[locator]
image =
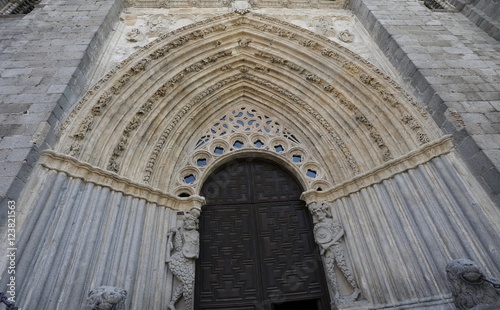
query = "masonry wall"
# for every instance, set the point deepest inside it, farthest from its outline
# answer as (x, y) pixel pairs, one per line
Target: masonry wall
(484, 13)
(45, 58)
(453, 67)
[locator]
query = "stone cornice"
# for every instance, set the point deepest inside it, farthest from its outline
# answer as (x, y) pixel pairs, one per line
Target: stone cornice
(383, 172)
(91, 174)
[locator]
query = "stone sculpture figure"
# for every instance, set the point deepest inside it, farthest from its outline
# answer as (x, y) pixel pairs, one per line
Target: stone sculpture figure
(186, 248)
(328, 234)
(106, 298)
(470, 288)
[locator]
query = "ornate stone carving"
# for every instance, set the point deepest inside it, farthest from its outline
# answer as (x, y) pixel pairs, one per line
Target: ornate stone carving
(113, 164)
(106, 298)
(470, 288)
(241, 7)
(278, 60)
(135, 35)
(340, 143)
(328, 234)
(185, 243)
(84, 127)
(244, 42)
(295, 34)
(200, 65)
(247, 128)
(346, 36)
(351, 68)
(166, 133)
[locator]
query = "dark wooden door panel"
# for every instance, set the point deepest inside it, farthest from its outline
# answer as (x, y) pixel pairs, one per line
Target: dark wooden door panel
(228, 265)
(272, 185)
(257, 249)
(287, 255)
(229, 185)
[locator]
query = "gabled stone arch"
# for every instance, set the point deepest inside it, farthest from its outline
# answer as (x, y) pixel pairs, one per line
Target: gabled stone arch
(139, 114)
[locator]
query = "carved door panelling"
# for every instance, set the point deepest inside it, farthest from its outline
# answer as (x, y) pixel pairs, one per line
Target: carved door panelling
(257, 247)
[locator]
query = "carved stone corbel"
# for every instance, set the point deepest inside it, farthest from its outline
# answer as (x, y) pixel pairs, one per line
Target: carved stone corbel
(328, 234)
(470, 288)
(183, 249)
(106, 297)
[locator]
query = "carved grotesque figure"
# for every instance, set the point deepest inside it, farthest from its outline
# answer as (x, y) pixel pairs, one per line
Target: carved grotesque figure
(106, 298)
(328, 234)
(470, 288)
(186, 248)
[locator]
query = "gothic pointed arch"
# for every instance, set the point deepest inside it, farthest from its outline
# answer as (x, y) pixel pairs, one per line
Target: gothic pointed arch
(143, 120)
(376, 171)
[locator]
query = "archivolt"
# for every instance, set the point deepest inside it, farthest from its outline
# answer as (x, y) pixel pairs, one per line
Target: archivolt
(143, 118)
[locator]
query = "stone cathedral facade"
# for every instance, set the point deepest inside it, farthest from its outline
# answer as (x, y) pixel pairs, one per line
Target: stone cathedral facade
(247, 154)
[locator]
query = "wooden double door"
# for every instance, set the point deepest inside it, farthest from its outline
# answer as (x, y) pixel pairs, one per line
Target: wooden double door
(257, 250)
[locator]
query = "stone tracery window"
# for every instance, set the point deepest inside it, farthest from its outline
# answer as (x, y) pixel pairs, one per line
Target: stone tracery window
(246, 128)
(245, 120)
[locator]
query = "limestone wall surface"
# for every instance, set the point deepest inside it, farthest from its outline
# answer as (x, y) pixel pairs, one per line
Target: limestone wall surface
(45, 57)
(484, 13)
(453, 67)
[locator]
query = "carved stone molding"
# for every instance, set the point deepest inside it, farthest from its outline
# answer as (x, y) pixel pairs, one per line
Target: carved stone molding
(91, 174)
(337, 113)
(308, 108)
(411, 160)
(161, 142)
(320, 119)
(157, 53)
(113, 164)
